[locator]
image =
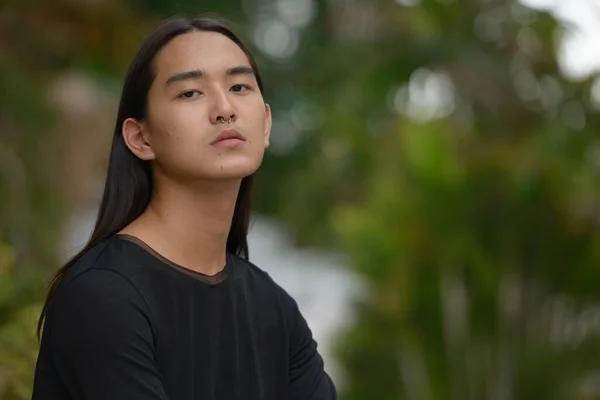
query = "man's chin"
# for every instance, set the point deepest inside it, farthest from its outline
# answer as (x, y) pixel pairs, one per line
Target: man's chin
(233, 173)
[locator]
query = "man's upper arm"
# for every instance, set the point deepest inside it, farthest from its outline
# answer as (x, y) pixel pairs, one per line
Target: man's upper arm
(101, 339)
(307, 377)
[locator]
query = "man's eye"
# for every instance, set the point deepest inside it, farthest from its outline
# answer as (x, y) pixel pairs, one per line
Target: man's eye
(190, 94)
(240, 88)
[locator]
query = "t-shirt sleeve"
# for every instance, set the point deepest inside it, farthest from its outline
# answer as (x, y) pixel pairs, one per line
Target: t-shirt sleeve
(101, 339)
(307, 377)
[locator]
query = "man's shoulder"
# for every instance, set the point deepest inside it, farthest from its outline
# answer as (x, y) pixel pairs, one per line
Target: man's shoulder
(254, 275)
(105, 255)
(247, 270)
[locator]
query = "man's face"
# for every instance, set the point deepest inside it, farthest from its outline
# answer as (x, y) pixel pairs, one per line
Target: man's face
(202, 80)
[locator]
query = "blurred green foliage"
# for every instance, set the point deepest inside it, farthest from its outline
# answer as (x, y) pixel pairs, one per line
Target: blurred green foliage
(478, 230)
(438, 146)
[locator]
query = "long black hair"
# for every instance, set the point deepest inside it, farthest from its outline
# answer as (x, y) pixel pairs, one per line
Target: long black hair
(128, 186)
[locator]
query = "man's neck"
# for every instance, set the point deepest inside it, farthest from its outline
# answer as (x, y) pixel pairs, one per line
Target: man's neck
(189, 225)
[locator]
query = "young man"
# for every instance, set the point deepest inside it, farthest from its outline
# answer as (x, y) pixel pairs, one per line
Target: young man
(162, 303)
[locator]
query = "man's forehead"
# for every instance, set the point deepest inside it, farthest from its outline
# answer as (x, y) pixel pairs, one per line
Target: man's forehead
(202, 47)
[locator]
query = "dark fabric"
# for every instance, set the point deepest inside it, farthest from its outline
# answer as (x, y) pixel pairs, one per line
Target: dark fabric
(126, 324)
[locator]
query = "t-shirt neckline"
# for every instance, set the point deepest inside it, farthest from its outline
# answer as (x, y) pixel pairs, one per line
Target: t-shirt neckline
(209, 279)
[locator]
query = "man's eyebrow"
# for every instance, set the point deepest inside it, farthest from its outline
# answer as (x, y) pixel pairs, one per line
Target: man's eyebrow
(199, 74)
(241, 70)
(186, 75)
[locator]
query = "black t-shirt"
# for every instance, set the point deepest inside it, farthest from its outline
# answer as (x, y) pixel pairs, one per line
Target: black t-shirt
(128, 324)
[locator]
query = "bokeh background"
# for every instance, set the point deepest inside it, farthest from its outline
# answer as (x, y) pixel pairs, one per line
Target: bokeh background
(431, 196)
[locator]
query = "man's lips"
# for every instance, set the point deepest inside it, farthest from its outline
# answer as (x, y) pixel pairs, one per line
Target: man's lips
(229, 138)
(230, 135)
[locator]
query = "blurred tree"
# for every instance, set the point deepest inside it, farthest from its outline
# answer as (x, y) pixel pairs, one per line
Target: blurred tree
(460, 171)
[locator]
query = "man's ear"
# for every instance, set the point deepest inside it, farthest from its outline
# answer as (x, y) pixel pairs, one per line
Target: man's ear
(135, 137)
(268, 124)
